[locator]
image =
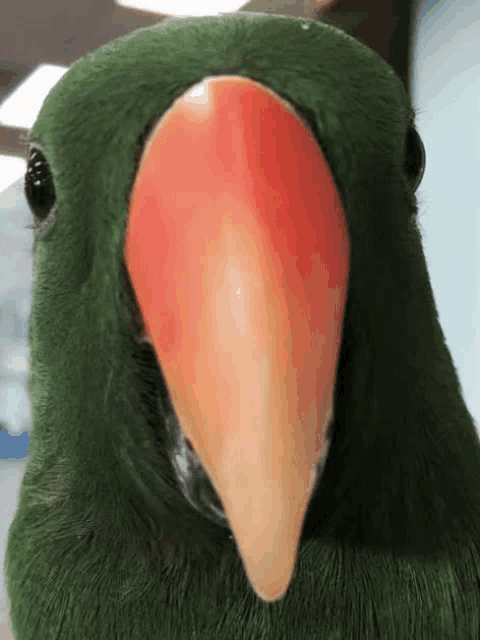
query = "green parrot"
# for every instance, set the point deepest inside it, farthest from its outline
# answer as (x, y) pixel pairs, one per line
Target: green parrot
(247, 424)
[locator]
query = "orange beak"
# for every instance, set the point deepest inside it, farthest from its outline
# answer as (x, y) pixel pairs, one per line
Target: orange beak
(237, 249)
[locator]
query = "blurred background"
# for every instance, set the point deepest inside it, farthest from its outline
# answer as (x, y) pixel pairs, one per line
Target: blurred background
(432, 45)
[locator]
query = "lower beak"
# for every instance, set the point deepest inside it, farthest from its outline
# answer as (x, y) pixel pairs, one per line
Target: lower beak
(238, 253)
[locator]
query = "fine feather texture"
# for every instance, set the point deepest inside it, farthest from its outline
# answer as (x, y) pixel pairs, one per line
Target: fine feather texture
(103, 543)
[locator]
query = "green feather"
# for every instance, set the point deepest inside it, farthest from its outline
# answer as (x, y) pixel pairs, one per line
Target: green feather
(103, 544)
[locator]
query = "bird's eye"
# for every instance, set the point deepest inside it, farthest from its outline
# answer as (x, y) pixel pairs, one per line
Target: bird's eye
(40, 190)
(415, 157)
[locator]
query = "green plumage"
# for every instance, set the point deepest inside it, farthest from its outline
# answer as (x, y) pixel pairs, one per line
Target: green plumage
(103, 544)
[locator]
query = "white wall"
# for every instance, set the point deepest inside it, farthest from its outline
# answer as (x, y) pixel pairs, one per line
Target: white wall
(446, 90)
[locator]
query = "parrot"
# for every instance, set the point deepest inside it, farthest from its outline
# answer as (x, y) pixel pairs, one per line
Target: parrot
(246, 421)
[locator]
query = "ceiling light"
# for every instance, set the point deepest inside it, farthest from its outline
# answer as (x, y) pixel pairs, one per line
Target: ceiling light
(184, 7)
(22, 107)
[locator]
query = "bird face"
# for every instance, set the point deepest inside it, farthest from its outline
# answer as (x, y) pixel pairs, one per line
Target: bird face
(240, 271)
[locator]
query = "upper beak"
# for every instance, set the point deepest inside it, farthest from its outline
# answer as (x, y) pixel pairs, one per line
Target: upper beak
(237, 249)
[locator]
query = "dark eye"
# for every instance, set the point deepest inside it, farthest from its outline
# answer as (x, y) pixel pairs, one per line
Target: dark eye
(40, 190)
(415, 157)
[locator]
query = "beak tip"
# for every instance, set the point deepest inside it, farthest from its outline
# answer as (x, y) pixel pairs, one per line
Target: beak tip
(271, 588)
(272, 596)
